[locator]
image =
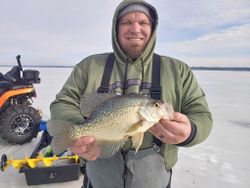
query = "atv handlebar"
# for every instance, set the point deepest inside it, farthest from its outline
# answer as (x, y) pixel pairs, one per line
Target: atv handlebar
(18, 57)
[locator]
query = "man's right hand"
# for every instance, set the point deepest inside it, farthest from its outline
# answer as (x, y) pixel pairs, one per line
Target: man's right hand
(87, 148)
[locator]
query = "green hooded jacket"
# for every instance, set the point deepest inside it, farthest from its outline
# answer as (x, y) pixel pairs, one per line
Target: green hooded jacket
(178, 83)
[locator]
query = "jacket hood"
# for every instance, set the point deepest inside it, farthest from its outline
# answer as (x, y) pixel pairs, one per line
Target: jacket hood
(149, 49)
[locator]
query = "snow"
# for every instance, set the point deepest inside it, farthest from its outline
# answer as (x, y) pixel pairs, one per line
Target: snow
(220, 161)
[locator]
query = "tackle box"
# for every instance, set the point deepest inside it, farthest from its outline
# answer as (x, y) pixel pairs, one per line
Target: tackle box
(54, 174)
(68, 171)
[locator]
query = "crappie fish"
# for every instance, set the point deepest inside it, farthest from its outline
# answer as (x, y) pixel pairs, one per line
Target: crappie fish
(112, 121)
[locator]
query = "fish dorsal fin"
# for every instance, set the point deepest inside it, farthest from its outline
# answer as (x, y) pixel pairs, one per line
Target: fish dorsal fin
(90, 101)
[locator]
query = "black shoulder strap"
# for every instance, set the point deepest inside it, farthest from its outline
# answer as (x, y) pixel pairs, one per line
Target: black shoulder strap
(155, 91)
(106, 74)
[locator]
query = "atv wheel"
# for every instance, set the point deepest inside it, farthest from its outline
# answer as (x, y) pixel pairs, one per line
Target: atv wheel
(19, 124)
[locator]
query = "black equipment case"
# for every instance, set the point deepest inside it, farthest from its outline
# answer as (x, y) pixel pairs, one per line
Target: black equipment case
(54, 174)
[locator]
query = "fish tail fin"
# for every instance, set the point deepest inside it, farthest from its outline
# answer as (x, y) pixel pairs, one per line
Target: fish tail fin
(57, 130)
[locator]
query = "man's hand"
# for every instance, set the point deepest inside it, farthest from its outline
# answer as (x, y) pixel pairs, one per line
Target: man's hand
(87, 148)
(173, 131)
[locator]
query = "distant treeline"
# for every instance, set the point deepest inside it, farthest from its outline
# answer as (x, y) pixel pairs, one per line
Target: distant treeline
(41, 66)
(222, 68)
(192, 67)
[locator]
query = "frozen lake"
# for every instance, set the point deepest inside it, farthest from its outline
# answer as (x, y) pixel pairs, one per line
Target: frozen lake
(223, 160)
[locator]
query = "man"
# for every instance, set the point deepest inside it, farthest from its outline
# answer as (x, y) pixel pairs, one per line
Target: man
(133, 40)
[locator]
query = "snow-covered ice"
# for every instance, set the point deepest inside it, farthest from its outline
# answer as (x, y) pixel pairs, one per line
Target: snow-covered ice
(221, 161)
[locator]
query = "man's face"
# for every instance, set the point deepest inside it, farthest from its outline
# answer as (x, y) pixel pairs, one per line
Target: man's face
(134, 31)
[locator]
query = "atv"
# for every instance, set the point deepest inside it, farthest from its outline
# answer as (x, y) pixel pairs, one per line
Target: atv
(19, 121)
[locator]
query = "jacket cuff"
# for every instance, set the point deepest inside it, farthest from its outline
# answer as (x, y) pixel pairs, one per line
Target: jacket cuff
(191, 136)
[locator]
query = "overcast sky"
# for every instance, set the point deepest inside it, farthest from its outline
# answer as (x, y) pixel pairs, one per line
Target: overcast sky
(63, 32)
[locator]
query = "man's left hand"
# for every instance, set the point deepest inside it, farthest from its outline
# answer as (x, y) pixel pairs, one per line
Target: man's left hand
(173, 131)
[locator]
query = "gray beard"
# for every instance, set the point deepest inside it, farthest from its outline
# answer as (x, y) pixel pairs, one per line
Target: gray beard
(135, 55)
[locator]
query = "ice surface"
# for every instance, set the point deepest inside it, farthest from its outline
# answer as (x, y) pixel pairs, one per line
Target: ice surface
(223, 160)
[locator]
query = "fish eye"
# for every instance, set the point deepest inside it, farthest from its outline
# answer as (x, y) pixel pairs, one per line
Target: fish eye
(157, 105)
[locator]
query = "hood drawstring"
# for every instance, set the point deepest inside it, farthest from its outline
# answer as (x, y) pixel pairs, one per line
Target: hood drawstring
(125, 77)
(142, 76)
